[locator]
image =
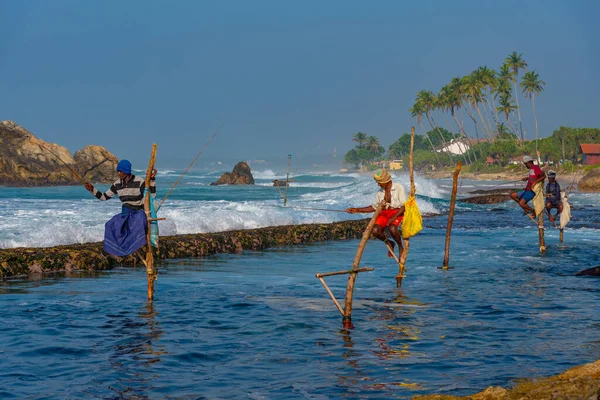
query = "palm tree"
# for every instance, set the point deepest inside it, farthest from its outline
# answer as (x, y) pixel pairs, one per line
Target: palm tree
(487, 79)
(471, 88)
(450, 102)
(360, 138)
(506, 106)
(515, 62)
(429, 102)
(532, 84)
(418, 111)
(373, 144)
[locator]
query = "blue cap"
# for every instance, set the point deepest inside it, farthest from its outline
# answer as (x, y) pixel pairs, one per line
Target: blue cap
(124, 166)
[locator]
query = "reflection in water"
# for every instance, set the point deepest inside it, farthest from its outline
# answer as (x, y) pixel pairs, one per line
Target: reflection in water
(136, 352)
(394, 345)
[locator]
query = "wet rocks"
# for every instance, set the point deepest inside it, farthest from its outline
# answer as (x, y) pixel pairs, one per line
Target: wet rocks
(487, 199)
(91, 256)
(241, 175)
(590, 182)
(581, 382)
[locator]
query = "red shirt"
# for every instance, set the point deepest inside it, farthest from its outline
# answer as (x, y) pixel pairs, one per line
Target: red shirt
(534, 173)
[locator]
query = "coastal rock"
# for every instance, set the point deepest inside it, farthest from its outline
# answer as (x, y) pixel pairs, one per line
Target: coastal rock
(487, 199)
(96, 164)
(581, 382)
(590, 182)
(28, 161)
(281, 182)
(241, 175)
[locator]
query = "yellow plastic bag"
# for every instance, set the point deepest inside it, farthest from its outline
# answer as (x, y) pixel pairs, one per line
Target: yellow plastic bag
(412, 222)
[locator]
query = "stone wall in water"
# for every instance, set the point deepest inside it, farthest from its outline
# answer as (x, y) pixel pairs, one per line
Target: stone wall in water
(23, 261)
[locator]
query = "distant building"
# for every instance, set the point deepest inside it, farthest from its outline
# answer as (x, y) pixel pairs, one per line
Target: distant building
(395, 165)
(591, 153)
(456, 146)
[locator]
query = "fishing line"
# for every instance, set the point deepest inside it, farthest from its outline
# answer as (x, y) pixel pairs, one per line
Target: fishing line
(312, 209)
(189, 166)
(67, 165)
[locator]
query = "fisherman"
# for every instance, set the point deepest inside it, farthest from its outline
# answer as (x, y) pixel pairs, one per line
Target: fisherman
(553, 199)
(126, 232)
(535, 175)
(392, 213)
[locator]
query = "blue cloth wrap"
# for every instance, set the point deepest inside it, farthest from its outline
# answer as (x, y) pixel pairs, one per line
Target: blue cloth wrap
(125, 233)
(527, 195)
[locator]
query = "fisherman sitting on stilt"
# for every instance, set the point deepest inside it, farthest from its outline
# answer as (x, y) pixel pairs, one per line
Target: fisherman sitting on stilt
(393, 212)
(125, 233)
(535, 175)
(553, 199)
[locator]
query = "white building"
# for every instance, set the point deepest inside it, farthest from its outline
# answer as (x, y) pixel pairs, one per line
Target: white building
(456, 146)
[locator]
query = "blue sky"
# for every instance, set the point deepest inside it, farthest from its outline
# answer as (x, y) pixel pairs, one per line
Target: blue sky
(281, 76)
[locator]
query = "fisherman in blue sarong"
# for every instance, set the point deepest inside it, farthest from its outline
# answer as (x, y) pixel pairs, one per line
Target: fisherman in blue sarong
(125, 233)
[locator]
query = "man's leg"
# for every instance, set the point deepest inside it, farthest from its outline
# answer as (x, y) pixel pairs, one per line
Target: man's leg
(514, 196)
(379, 233)
(395, 233)
(525, 206)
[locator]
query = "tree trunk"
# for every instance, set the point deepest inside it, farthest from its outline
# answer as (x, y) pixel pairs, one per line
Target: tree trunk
(536, 123)
(432, 148)
(519, 112)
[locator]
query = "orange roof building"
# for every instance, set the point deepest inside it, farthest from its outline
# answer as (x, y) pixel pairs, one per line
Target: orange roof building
(591, 153)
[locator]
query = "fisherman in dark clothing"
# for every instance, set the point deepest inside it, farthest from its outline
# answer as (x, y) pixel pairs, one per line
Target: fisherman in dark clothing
(553, 199)
(126, 232)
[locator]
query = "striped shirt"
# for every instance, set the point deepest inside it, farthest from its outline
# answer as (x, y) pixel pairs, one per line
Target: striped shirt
(130, 191)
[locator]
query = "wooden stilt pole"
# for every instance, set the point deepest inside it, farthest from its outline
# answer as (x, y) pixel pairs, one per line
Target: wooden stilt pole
(561, 235)
(150, 270)
(451, 214)
(404, 254)
(347, 315)
(541, 233)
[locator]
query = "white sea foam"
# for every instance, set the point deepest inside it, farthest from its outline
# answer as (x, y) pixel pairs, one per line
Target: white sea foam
(29, 218)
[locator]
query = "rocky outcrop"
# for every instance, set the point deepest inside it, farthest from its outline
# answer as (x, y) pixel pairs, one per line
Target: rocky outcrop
(590, 182)
(28, 161)
(96, 164)
(581, 382)
(91, 256)
(241, 175)
(281, 182)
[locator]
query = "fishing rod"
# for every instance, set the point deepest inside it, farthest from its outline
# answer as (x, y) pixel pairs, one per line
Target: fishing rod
(190, 166)
(61, 160)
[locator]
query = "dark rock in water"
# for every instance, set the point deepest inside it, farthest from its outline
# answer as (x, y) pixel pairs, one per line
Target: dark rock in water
(241, 175)
(495, 191)
(281, 182)
(590, 182)
(486, 199)
(589, 272)
(28, 161)
(96, 164)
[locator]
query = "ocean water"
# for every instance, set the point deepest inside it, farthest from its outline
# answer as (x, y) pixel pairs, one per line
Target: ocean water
(259, 325)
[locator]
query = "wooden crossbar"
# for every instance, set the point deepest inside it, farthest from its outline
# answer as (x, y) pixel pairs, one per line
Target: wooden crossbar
(351, 271)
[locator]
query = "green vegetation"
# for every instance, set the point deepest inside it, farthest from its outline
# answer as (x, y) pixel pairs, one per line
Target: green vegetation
(484, 109)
